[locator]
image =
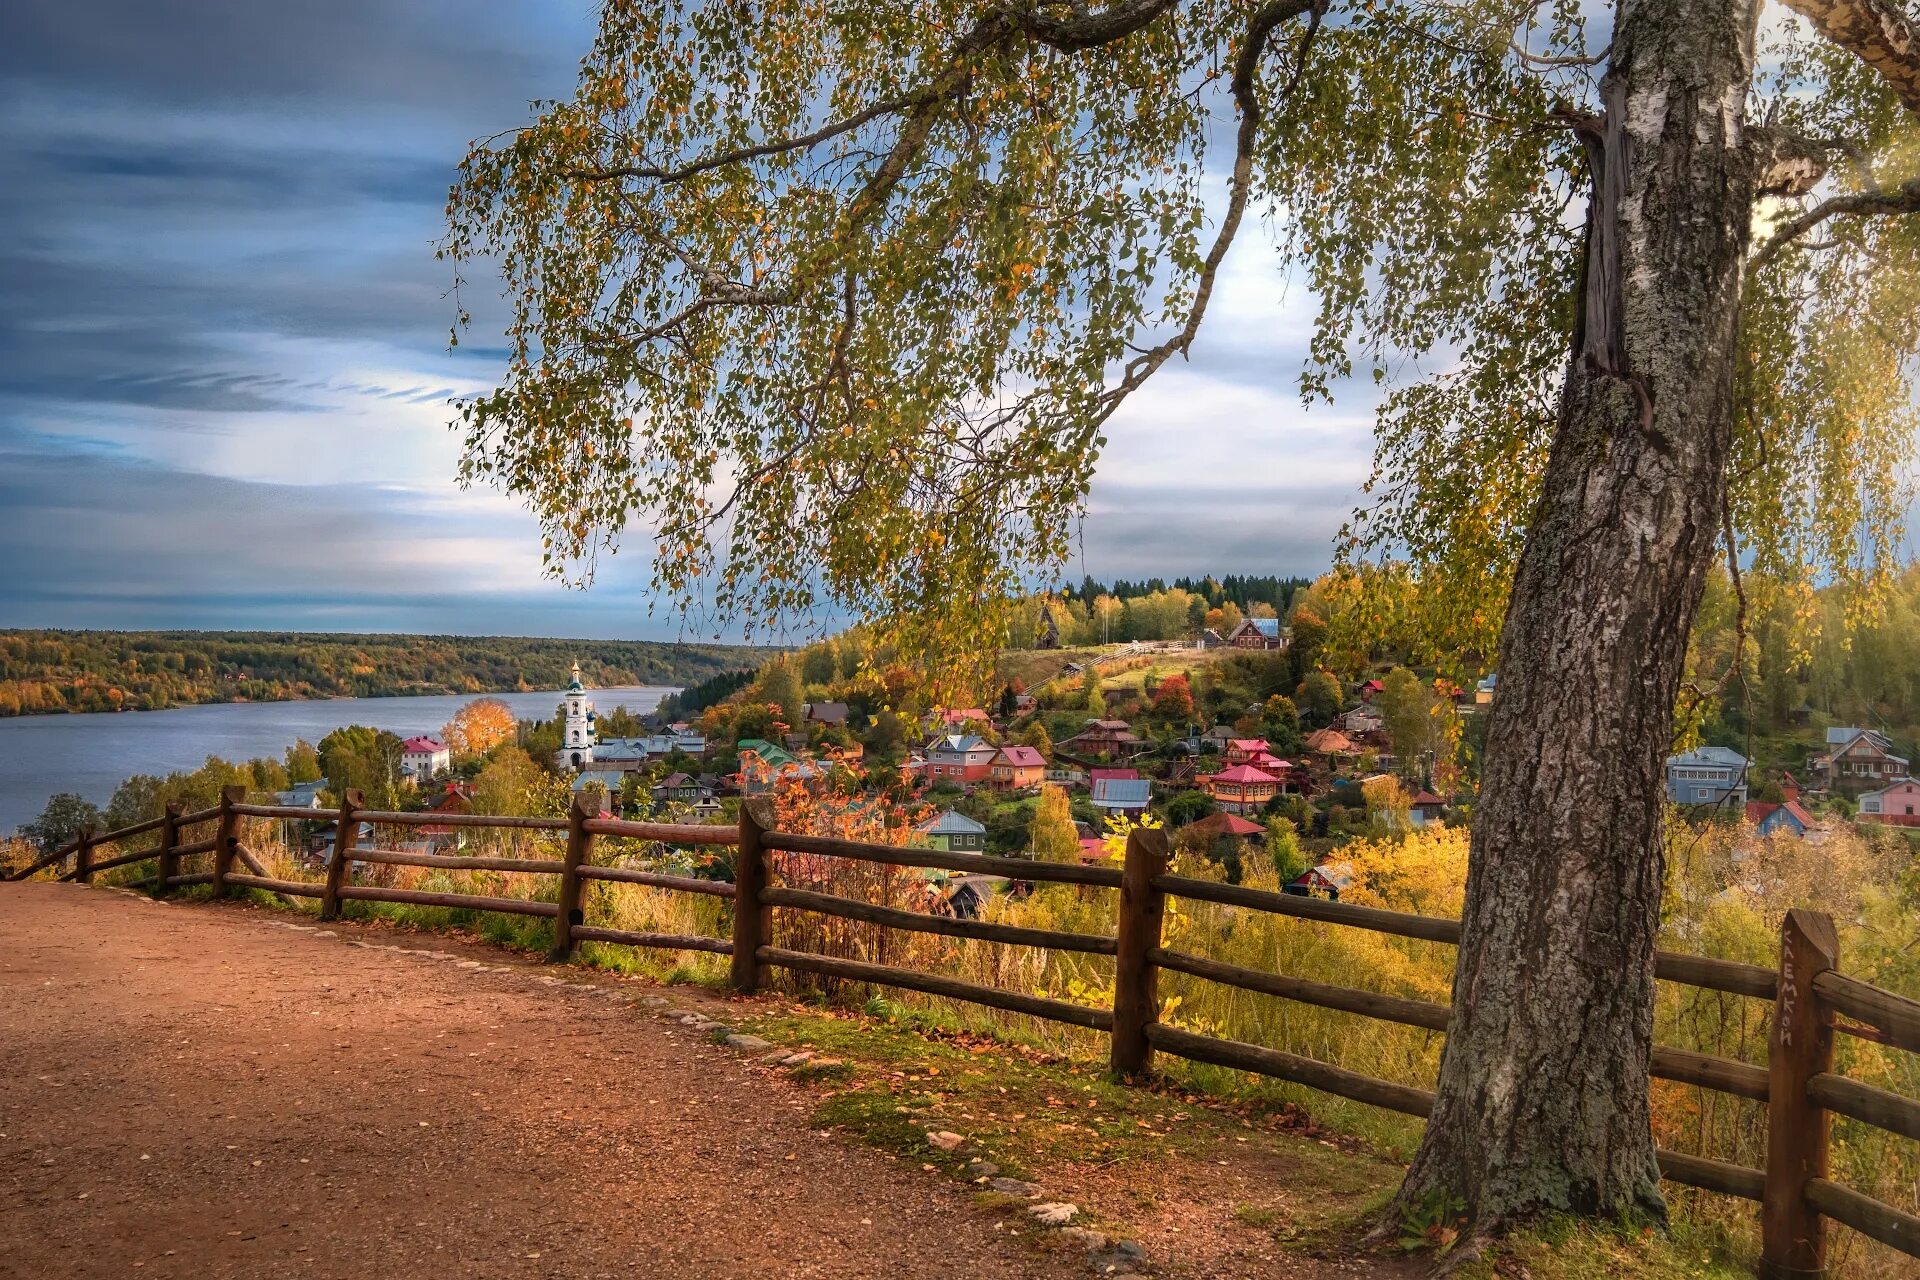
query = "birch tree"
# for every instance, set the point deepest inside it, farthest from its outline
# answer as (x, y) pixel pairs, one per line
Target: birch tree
(832, 302)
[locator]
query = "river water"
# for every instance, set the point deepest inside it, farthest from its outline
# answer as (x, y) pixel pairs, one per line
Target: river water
(93, 754)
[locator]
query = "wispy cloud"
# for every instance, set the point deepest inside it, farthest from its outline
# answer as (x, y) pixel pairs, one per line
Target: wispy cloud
(224, 382)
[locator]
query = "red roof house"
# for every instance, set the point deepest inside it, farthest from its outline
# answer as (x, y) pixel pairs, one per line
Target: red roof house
(1241, 789)
(1017, 767)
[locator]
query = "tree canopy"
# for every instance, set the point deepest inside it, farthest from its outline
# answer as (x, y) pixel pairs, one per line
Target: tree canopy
(836, 300)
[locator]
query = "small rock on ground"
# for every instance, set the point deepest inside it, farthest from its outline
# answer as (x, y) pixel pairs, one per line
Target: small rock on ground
(749, 1044)
(944, 1141)
(1053, 1214)
(1013, 1187)
(1117, 1258)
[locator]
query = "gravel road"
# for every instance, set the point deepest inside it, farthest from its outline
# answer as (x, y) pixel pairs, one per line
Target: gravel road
(201, 1091)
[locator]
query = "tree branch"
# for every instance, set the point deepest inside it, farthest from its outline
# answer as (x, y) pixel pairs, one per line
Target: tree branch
(1088, 30)
(1246, 96)
(1878, 32)
(759, 151)
(1904, 198)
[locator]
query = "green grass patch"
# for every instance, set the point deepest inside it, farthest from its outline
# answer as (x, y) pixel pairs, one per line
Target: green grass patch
(1566, 1249)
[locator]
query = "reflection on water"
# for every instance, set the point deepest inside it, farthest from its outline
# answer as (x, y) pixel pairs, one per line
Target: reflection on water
(92, 754)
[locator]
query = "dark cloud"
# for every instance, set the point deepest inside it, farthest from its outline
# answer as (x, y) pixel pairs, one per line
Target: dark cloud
(446, 56)
(217, 221)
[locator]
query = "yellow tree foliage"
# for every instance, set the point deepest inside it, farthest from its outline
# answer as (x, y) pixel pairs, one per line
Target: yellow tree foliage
(1051, 834)
(479, 727)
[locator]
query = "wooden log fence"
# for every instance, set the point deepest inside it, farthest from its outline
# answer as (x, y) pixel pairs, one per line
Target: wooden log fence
(1812, 1001)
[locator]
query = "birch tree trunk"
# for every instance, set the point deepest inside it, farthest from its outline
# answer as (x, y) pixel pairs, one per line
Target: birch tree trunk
(1543, 1085)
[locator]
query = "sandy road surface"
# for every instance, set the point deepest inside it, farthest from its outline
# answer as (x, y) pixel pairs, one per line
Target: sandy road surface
(200, 1091)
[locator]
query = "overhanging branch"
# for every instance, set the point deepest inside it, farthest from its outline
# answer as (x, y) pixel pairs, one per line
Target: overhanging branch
(1246, 96)
(1878, 32)
(1880, 203)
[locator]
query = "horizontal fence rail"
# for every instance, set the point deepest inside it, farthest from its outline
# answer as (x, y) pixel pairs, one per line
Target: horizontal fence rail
(1812, 1000)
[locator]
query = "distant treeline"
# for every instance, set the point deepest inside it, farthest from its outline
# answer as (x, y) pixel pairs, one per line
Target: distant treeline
(47, 672)
(1242, 590)
(696, 698)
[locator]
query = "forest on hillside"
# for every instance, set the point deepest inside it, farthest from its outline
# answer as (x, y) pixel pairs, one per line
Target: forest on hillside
(48, 672)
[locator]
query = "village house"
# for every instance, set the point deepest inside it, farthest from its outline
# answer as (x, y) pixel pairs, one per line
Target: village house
(1894, 805)
(1857, 760)
(960, 759)
(831, 714)
(631, 755)
(1771, 819)
(1121, 791)
(1108, 739)
(1707, 775)
(1217, 739)
(1328, 880)
(301, 795)
(454, 798)
(1016, 768)
(1257, 633)
(954, 832)
(422, 757)
(1371, 689)
(1241, 789)
(1226, 826)
(1426, 809)
(678, 788)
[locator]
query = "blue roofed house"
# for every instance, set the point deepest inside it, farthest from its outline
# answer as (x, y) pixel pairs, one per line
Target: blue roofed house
(954, 832)
(301, 795)
(608, 780)
(1707, 775)
(1122, 795)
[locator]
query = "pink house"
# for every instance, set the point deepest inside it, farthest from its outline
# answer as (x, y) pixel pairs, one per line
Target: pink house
(1896, 805)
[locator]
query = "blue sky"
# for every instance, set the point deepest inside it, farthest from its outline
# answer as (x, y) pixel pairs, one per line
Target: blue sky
(223, 360)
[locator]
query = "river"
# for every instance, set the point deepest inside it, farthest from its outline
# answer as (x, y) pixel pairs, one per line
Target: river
(93, 754)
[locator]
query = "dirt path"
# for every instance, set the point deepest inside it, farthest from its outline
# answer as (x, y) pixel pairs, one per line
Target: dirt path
(203, 1092)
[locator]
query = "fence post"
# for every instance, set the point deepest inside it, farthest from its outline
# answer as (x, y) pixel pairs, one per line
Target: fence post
(226, 837)
(83, 856)
(579, 851)
(169, 841)
(1793, 1234)
(346, 836)
(1136, 978)
(752, 918)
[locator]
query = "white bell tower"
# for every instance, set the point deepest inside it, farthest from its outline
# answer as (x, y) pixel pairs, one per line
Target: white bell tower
(576, 744)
